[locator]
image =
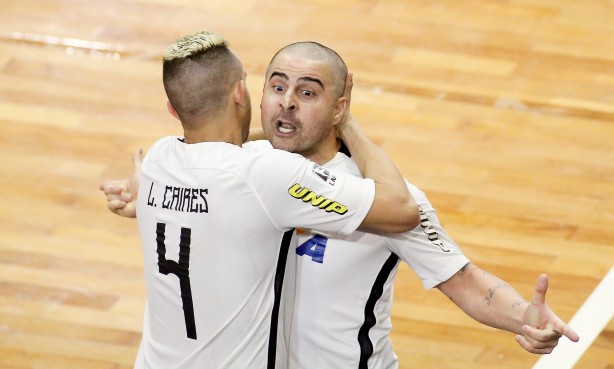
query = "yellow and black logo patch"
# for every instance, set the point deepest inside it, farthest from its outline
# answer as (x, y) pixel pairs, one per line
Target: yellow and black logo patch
(303, 193)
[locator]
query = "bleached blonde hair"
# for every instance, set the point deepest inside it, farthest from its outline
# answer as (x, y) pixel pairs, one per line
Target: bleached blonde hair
(198, 72)
(193, 44)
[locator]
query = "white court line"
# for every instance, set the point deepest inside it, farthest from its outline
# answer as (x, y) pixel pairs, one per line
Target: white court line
(589, 321)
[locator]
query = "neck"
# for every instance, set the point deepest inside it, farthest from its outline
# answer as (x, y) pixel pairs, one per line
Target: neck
(211, 135)
(324, 153)
(224, 128)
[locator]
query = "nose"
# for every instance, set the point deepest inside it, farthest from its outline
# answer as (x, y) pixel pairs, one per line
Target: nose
(287, 102)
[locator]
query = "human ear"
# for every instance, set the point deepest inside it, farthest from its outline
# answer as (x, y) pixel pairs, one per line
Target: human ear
(172, 110)
(240, 93)
(340, 109)
(345, 107)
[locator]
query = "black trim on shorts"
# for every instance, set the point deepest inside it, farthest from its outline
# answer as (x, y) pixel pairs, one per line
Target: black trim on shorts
(277, 287)
(366, 346)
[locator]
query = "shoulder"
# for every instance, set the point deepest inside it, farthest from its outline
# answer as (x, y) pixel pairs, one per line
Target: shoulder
(160, 145)
(270, 164)
(344, 163)
(165, 141)
(257, 145)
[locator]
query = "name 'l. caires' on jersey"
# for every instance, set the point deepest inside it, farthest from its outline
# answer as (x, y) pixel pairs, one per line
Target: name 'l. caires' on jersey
(189, 200)
(306, 195)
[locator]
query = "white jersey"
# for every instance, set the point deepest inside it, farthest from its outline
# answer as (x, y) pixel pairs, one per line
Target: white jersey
(216, 221)
(345, 287)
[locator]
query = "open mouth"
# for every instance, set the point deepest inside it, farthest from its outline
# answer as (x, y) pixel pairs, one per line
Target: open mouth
(284, 127)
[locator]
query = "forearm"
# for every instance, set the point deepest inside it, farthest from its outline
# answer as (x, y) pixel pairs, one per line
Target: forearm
(394, 209)
(486, 298)
(371, 160)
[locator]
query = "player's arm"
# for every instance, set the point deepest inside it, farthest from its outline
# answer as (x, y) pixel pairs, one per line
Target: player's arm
(491, 301)
(394, 209)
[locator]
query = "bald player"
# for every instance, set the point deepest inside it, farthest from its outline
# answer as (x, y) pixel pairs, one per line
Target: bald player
(216, 220)
(345, 283)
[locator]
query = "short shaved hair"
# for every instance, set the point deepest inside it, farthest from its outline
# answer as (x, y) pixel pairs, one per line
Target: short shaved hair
(199, 72)
(316, 51)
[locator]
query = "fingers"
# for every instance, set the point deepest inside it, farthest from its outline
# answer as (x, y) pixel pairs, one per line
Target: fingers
(121, 193)
(137, 159)
(540, 335)
(566, 331)
(522, 341)
(115, 187)
(116, 205)
(572, 335)
(112, 186)
(538, 341)
(543, 341)
(117, 193)
(121, 196)
(345, 115)
(347, 92)
(349, 83)
(549, 328)
(540, 290)
(122, 208)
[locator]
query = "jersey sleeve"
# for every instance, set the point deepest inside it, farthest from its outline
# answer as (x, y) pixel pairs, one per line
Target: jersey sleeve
(428, 249)
(297, 192)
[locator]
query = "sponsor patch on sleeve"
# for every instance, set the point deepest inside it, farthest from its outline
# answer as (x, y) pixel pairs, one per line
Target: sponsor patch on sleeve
(430, 232)
(324, 174)
(306, 195)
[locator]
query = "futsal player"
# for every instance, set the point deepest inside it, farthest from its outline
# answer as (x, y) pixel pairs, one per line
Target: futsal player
(344, 288)
(216, 219)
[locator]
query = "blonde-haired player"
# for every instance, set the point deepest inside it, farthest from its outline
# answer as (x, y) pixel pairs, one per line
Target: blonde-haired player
(216, 220)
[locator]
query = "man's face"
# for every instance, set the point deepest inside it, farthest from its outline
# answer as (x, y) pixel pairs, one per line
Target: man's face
(298, 106)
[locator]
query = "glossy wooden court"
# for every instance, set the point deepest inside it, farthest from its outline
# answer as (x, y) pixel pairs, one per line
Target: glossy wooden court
(502, 111)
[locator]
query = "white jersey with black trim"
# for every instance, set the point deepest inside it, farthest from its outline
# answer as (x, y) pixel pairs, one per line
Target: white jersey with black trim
(215, 221)
(345, 287)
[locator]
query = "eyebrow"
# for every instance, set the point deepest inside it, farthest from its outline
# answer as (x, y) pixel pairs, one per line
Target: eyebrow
(308, 79)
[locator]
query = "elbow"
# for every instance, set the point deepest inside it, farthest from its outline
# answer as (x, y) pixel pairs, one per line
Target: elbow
(408, 219)
(392, 216)
(402, 219)
(414, 216)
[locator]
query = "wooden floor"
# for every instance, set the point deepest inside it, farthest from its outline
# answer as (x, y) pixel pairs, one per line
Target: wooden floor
(502, 111)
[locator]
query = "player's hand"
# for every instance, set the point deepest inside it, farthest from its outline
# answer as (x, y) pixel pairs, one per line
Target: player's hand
(122, 193)
(542, 328)
(347, 93)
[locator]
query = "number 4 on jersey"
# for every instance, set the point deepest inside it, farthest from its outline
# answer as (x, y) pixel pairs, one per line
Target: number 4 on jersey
(314, 247)
(181, 269)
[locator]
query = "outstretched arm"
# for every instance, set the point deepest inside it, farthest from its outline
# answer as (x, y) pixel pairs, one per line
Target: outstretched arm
(121, 194)
(491, 301)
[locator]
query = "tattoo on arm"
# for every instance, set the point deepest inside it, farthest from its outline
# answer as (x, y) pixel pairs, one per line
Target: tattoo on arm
(491, 292)
(519, 303)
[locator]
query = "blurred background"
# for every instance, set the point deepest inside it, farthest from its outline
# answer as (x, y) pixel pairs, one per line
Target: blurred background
(502, 111)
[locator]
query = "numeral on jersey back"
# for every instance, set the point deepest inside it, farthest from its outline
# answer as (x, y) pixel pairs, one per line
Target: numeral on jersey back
(181, 269)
